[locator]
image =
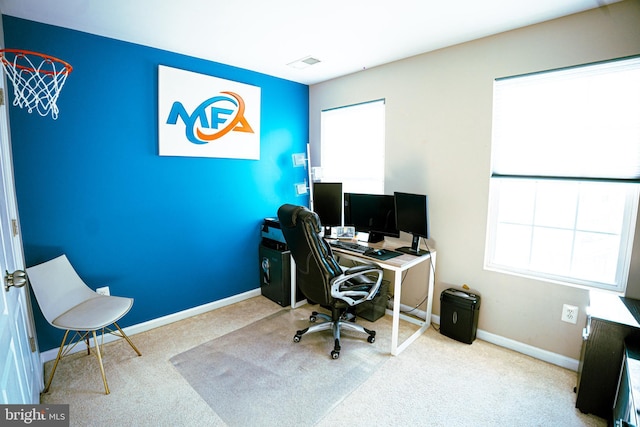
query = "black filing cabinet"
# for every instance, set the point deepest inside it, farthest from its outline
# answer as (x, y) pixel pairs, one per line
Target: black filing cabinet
(274, 259)
(459, 312)
(375, 309)
(275, 274)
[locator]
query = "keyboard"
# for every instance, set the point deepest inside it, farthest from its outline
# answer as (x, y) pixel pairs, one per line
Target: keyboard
(350, 246)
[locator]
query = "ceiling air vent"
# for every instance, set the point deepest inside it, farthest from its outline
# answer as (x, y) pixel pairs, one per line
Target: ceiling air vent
(304, 62)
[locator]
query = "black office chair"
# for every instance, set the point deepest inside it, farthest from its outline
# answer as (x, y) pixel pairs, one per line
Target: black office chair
(322, 280)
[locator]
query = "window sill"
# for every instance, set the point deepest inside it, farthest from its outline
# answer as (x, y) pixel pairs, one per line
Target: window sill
(542, 278)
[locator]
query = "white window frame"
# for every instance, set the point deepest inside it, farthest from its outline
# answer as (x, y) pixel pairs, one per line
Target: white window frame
(352, 146)
(527, 269)
(532, 163)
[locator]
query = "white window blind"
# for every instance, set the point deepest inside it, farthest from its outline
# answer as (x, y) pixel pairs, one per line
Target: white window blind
(352, 147)
(579, 122)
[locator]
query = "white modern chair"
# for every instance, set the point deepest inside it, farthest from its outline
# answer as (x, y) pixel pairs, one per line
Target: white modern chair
(69, 304)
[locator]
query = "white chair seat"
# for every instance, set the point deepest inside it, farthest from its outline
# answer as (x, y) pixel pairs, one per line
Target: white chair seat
(93, 314)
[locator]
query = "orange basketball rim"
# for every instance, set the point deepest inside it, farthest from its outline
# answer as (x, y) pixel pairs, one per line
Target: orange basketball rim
(37, 79)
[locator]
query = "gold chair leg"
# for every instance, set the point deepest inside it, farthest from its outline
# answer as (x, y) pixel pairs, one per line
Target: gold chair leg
(98, 355)
(55, 364)
(127, 338)
(104, 377)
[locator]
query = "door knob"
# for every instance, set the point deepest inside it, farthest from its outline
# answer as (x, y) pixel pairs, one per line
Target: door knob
(16, 279)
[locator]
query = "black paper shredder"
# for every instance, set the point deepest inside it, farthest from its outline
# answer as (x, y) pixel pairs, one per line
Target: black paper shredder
(459, 312)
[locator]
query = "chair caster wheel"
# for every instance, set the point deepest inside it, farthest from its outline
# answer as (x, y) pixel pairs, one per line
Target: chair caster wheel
(312, 319)
(371, 339)
(335, 354)
(296, 338)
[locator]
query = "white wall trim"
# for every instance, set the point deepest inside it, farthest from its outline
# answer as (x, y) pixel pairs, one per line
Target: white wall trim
(529, 350)
(48, 355)
(544, 355)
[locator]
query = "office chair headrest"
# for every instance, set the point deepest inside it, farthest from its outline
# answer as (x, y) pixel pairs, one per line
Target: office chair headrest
(289, 216)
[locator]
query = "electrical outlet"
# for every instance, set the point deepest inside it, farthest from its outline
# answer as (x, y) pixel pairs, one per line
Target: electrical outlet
(569, 313)
(103, 291)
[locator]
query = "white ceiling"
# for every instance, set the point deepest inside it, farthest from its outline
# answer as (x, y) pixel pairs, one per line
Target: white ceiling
(265, 35)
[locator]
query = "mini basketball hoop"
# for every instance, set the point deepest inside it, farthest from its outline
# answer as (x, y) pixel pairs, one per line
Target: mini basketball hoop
(37, 79)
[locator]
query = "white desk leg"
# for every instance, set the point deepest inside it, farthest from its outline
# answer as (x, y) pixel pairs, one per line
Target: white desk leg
(292, 279)
(395, 348)
(395, 321)
(432, 279)
(294, 286)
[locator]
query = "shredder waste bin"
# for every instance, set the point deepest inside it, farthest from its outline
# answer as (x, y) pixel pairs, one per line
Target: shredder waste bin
(459, 311)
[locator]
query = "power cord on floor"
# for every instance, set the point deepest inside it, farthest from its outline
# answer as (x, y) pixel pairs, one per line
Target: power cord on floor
(424, 300)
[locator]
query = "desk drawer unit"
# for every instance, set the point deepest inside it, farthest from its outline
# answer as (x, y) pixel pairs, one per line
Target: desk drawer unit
(459, 312)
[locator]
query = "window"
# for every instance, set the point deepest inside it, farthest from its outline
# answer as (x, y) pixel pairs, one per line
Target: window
(352, 147)
(565, 169)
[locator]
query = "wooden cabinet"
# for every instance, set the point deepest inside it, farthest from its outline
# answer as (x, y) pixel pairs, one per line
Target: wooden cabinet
(611, 320)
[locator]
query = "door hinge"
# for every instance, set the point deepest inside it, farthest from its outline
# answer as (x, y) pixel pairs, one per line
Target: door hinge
(32, 343)
(14, 227)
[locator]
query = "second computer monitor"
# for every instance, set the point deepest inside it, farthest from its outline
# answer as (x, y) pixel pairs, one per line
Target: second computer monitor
(371, 213)
(412, 216)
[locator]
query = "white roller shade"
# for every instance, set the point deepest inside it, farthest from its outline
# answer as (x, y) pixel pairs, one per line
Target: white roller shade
(352, 146)
(581, 122)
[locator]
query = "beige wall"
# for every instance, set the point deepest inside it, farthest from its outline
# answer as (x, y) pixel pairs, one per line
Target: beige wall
(438, 136)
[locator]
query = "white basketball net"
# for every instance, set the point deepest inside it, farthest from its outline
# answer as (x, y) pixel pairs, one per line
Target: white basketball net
(37, 79)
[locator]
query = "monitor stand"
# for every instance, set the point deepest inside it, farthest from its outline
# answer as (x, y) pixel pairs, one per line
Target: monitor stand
(414, 249)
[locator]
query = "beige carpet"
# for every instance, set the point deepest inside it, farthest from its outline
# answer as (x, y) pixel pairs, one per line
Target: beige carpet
(435, 382)
(260, 364)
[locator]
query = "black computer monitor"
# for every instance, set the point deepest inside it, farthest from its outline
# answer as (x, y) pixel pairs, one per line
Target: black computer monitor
(327, 203)
(371, 213)
(412, 216)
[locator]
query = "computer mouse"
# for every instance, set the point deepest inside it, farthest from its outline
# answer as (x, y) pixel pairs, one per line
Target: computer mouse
(379, 252)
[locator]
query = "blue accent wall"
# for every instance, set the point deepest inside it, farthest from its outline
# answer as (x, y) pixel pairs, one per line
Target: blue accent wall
(171, 232)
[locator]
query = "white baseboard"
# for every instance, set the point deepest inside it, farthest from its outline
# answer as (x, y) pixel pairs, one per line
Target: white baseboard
(547, 356)
(48, 355)
(538, 353)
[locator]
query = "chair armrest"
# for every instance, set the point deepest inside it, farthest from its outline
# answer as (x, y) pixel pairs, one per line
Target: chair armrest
(354, 295)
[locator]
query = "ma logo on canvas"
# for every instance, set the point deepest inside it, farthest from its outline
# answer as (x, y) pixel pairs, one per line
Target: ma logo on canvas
(212, 119)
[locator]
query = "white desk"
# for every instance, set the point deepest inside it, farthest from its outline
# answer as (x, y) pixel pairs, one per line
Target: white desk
(398, 265)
